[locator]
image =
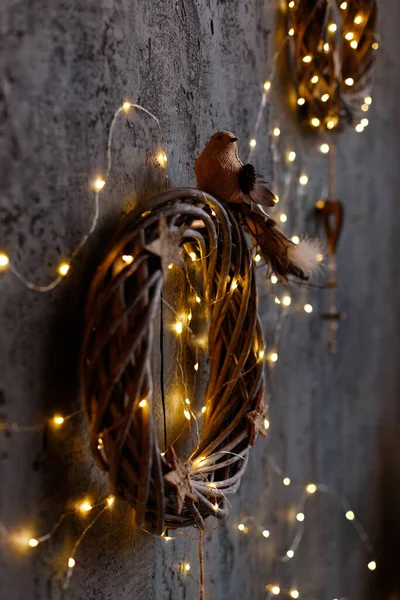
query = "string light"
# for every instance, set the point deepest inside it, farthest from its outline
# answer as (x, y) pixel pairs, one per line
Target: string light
(4, 260)
(368, 100)
(286, 481)
(267, 86)
(276, 590)
(189, 317)
(358, 19)
(283, 218)
(99, 184)
(303, 179)
(315, 122)
(324, 148)
(300, 517)
(286, 300)
(354, 44)
(170, 266)
(308, 308)
(234, 285)
(178, 326)
(364, 107)
(359, 128)
(326, 47)
(273, 357)
(343, 6)
(33, 542)
(349, 35)
(364, 122)
(372, 565)
(274, 279)
(198, 299)
(276, 199)
(375, 46)
(276, 131)
(265, 533)
(203, 410)
(314, 79)
(291, 4)
(85, 506)
(257, 258)
(162, 159)
(58, 420)
(71, 562)
(261, 354)
(301, 101)
(196, 366)
(266, 424)
(294, 593)
(307, 58)
(320, 257)
(241, 526)
(291, 31)
(290, 553)
(187, 567)
(143, 403)
(253, 143)
(324, 97)
(349, 81)
(350, 515)
(295, 239)
(168, 538)
(187, 414)
(126, 106)
(291, 156)
(332, 27)
(277, 301)
(311, 488)
(330, 124)
(127, 258)
(63, 269)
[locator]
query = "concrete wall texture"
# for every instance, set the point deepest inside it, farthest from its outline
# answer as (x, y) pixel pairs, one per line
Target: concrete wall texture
(198, 65)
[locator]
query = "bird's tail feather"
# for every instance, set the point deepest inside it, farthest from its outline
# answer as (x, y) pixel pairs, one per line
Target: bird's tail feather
(261, 194)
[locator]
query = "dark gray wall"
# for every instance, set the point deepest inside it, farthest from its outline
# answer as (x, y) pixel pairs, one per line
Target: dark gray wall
(65, 67)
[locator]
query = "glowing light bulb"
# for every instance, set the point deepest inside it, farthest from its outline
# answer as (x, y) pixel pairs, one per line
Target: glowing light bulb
(315, 122)
(324, 148)
(261, 354)
(170, 266)
(311, 488)
(300, 517)
(187, 401)
(189, 317)
(198, 299)
(375, 46)
(253, 143)
(126, 106)
(267, 86)
(358, 19)
(196, 366)
(332, 27)
(324, 97)
(314, 79)
(320, 257)
(193, 255)
(241, 526)
(277, 301)
(364, 122)
(143, 403)
(273, 357)
(234, 285)
(286, 481)
(275, 199)
(274, 279)
(326, 47)
(364, 107)
(349, 81)
(330, 124)
(294, 593)
(296, 239)
(265, 533)
(308, 308)
(372, 565)
(303, 179)
(110, 501)
(58, 420)
(283, 218)
(266, 424)
(85, 506)
(257, 258)
(178, 327)
(203, 410)
(349, 35)
(4, 260)
(187, 414)
(187, 567)
(343, 6)
(127, 258)
(320, 204)
(291, 31)
(359, 128)
(71, 562)
(290, 553)
(276, 590)
(291, 156)
(33, 542)
(211, 485)
(98, 184)
(368, 100)
(63, 269)
(291, 4)
(162, 159)
(276, 131)
(354, 44)
(350, 515)
(286, 300)
(307, 58)
(301, 101)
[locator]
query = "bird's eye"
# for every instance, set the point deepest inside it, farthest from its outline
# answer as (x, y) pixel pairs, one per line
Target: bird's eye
(219, 137)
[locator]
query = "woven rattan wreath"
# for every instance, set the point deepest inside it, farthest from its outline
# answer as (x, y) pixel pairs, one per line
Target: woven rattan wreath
(116, 368)
(332, 50)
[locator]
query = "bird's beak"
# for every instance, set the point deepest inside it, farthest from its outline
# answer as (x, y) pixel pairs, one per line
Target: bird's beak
(233, 139)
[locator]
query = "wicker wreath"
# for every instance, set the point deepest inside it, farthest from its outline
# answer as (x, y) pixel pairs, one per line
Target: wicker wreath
(332, 51)
(165, 490)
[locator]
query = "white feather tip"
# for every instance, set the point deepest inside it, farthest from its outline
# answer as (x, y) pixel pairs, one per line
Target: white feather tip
(306, 255)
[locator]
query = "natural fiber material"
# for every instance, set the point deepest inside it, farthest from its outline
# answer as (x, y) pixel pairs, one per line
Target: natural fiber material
(333, 57)
(116, 369)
